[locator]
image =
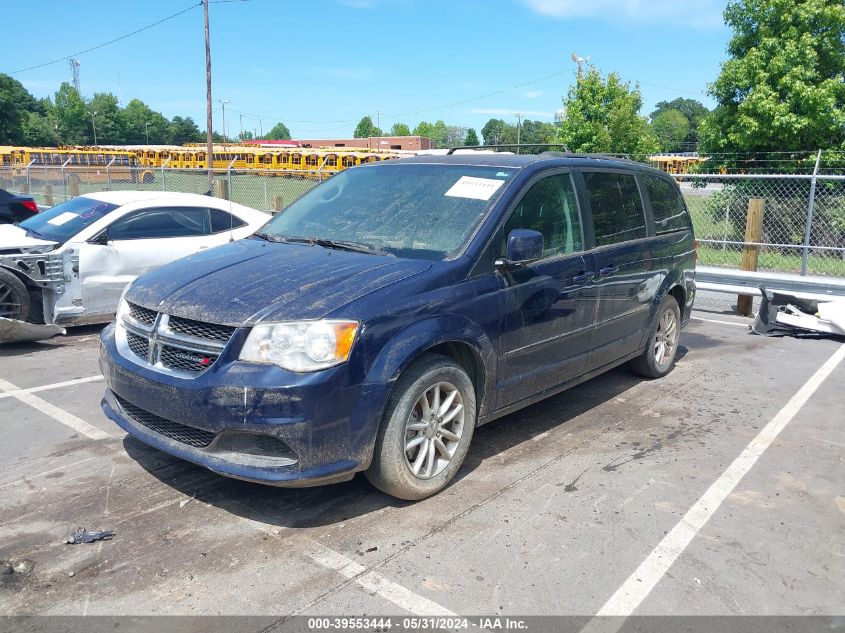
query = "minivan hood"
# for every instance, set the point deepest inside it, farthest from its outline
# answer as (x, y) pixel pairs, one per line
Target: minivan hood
(250, 280)
(14, 238)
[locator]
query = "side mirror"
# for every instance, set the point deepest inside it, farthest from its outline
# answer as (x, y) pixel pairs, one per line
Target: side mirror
(524, 246)
(101, 238)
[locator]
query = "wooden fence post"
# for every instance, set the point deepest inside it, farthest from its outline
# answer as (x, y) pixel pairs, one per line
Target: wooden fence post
(750, 253)
(221, 189)
(48, 195)
(278, 205)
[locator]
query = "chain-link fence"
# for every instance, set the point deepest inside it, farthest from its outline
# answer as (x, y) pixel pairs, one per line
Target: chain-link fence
(803, 227)
(260, 189)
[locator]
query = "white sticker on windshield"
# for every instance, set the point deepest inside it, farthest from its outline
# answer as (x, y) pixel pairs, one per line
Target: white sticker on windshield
(475, 188)
(62, 218)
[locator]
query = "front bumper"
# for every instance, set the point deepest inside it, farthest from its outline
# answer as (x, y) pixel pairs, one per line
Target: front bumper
(253, 422)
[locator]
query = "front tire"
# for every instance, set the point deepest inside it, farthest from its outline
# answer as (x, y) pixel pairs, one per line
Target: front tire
(426, 431)
(14, 297)
(659, 356)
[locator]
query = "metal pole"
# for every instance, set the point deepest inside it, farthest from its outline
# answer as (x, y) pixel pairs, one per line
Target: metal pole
(64, 180)
(518, 126)
(229, 177)
(28, 180)
(242, 126)
(209, 141)
(108, 171)
(223, 103)
(320, 168)
(806, 252)
(163, 165)
(94, 125)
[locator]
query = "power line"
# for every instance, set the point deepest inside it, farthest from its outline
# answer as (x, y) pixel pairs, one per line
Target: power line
(117, 39)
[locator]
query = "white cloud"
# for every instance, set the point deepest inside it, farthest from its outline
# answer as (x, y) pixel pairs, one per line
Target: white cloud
(512, 113)
(700, 14)
(533, 94)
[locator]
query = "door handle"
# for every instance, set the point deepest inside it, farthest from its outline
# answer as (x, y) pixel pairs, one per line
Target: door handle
(609, 270)
(584, 277)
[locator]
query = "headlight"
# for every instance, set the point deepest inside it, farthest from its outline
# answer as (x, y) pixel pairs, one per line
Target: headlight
(122, 306)
(301, 346)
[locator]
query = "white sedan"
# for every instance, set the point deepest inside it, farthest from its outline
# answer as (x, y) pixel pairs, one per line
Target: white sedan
(69, 265)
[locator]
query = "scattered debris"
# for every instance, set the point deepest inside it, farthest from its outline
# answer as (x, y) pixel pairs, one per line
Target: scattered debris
(784, 314)
(14, 331)
(368, 550)
(81, 535)
(22, 565)
(185, 502)
(71, 574)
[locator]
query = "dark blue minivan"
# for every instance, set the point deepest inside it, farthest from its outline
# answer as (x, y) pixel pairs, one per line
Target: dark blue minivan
(383, 316)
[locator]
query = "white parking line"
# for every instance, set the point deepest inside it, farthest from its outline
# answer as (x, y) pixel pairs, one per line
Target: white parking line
(59, 415)
(371, 581)
(745, 325)
(639, 584)
(375, 583)
(55, 385)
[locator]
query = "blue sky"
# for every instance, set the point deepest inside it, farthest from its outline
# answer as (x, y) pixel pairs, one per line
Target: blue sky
(319, 66)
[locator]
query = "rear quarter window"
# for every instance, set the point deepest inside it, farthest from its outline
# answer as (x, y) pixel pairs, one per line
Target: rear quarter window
(618, 214)
(670, 213)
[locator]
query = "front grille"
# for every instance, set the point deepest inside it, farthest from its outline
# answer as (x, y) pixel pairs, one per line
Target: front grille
(184, 360)
(142, 315)
(183, 346)
(209, 331)
(139, 345)
(173, 430)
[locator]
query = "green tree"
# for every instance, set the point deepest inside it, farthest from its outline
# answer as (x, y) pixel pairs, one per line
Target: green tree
(71, 116)
(366, 128)
(142, 123)
(471, 138)
(107, 118)
(15, 104)
(693, 110)
(280, 132)
(400, 129)
(497, 131)
(782, 87)
(184, 130)
(424, 128)
(671, 128)
(602, 115)
(454, 136)
(38, 130)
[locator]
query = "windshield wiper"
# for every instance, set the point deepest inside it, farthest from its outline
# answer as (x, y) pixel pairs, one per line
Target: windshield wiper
(268, 238)
(340, 245)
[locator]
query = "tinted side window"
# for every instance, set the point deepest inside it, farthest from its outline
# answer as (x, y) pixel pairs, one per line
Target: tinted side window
(617, 207)
(550, 207)
(160, 223)
(220, 221)
(666, 204)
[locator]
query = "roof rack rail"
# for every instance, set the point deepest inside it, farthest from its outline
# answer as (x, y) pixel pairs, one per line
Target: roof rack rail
(516, 145)
(590, 155)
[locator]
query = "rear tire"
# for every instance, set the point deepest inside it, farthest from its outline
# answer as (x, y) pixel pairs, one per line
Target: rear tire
(426, 430)
(658, 359)
(14, 297)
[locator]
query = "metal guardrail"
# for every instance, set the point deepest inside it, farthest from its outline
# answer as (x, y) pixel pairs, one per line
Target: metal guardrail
(742, 282)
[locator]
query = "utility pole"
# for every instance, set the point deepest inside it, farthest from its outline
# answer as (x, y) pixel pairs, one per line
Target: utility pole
(518, 128)
(580, 61)
(94, 125)
(209, 140)
(223, 104)
(242, 126)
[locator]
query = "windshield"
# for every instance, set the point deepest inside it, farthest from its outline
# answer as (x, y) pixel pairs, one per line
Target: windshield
(62, 222)
(414, 210)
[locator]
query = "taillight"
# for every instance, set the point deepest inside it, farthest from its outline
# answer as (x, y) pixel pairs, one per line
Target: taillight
(30, 205)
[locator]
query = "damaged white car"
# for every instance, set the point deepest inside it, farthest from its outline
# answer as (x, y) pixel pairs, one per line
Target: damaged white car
(69, 265)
